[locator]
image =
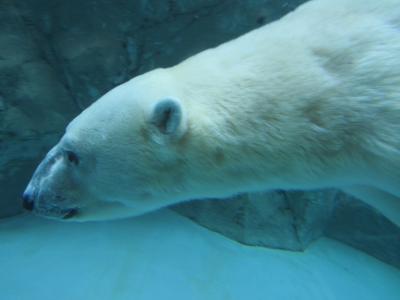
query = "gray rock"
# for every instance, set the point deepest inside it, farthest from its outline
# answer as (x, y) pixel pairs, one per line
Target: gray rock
(292, 220)
(285, 220)
(34, 107)
(362, 227)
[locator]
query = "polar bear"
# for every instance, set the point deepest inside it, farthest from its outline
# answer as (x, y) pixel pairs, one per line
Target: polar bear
(310, 101)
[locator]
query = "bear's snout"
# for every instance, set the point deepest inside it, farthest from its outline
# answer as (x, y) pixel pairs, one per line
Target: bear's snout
(49, 193)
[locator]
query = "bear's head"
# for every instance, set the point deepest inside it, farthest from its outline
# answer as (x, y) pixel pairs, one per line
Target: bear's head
(116, 158)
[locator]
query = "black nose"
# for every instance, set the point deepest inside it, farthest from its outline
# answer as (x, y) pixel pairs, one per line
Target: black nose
(27, 201)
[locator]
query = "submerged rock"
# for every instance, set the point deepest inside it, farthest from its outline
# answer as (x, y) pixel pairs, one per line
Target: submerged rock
(361, 226)
(292, 220)
(285, 220)
(34, 106)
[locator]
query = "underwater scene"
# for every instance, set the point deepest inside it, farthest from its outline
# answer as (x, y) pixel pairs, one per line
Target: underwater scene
(199, 149)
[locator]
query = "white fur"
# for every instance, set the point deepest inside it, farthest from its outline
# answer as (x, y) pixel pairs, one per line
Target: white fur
(309, 101)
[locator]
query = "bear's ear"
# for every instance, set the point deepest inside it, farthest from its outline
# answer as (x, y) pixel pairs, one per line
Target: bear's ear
(167, 117)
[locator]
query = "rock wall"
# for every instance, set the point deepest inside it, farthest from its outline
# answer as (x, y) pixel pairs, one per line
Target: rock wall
(284, 220)
(355, 223)
(293, 220)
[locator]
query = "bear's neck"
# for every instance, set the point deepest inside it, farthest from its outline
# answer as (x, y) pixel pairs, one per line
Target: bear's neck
(259, 123)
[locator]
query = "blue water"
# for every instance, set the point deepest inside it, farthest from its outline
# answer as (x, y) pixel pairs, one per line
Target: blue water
(165, 256)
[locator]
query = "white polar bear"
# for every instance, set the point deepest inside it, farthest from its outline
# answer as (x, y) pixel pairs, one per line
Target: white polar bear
(310, 101)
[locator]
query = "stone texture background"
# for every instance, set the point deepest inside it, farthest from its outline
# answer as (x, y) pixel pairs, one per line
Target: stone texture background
(293, 220)
(56, 57)
(285, 220)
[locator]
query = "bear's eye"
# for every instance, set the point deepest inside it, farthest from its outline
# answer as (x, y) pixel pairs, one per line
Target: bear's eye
(72, 157)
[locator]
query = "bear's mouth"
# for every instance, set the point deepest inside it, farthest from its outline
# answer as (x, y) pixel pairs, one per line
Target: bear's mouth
(70, 213)
(56, 212)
